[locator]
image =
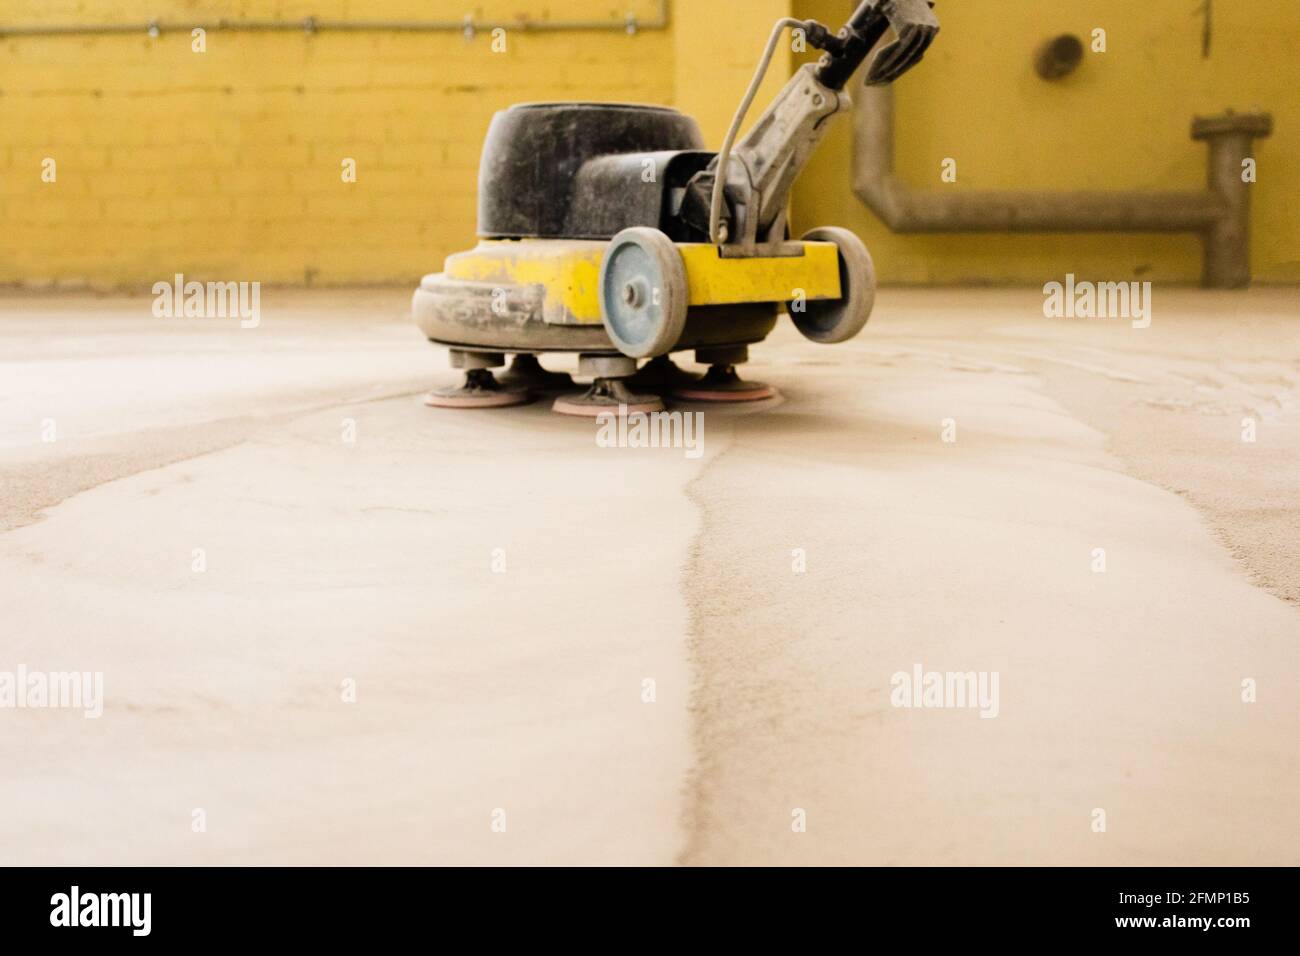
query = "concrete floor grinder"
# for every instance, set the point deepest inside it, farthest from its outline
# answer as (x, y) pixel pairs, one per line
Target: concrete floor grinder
(608, 230)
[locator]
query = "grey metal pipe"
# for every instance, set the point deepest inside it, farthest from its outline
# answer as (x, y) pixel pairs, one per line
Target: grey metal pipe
(630, 24)
(1231, 138)
(1221, 214)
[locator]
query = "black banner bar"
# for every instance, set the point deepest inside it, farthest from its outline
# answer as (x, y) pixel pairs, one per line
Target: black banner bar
(331, 906)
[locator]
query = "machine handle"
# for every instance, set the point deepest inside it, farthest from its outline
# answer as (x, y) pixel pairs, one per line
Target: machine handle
(912, 20)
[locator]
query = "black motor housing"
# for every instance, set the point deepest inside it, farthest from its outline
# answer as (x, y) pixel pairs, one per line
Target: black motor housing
(585, 170)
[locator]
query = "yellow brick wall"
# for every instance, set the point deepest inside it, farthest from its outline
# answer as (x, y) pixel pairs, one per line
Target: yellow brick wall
(227, 163)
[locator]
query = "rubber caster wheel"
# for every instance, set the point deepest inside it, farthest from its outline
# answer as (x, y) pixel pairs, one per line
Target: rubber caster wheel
(837, 320)
(481, 390)
(643, 292)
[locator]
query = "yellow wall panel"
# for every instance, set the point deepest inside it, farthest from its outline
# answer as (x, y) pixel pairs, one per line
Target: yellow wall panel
(226, 164)
(1121, 121)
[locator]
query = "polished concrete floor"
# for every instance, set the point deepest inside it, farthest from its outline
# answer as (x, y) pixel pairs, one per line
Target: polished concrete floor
(336, 626)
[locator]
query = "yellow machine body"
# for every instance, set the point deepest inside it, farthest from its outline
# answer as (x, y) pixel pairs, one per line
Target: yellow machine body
(567, 272)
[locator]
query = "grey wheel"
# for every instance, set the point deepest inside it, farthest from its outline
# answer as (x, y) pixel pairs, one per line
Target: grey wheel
(643, 292)
(838, 320)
